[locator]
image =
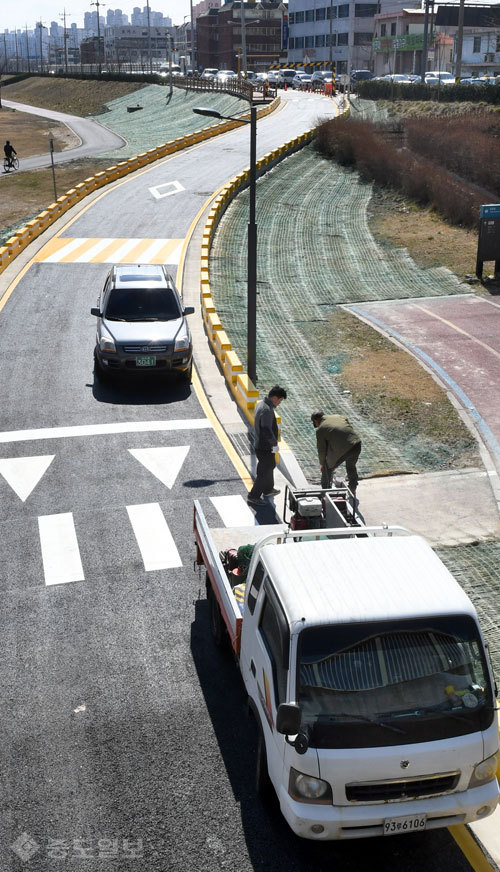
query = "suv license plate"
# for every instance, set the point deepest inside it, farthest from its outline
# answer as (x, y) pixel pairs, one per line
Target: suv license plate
(411, 824)
(145, 361)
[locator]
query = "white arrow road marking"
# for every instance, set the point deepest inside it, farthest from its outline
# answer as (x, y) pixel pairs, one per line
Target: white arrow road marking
(175, 188)
(24, 473)
(153, 536)
(164, 463)
(60, 552)
(234, 511)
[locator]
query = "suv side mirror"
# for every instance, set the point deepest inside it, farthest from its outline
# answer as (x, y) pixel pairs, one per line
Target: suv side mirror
(95, 311)
(288, 719)
(188, 310)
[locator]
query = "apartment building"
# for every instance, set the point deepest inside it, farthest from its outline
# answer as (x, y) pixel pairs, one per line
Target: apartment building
(337, 33)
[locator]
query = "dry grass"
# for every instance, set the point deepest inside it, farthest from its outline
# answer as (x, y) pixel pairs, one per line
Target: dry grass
(430, 240)
(68, 95)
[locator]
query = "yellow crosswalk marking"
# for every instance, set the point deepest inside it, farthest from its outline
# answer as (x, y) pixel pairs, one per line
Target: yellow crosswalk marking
(65, 249)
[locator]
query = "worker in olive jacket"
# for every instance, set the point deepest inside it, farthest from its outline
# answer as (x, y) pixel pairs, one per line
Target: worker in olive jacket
(337, 443)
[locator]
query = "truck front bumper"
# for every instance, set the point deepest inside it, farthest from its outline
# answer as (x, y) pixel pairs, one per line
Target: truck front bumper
(326, 822)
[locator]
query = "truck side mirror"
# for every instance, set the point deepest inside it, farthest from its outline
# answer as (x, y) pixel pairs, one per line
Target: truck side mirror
(288, 719)
(188, 310)
(95, 311)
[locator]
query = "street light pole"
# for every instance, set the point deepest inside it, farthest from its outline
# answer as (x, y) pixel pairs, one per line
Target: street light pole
(252, 238)
(97, 3)
(194, 59)
(252, 255)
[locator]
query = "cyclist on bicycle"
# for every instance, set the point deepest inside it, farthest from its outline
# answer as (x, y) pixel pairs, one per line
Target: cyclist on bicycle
(9, 152)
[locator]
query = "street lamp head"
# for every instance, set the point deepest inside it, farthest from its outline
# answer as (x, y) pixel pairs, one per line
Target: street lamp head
(211, 113)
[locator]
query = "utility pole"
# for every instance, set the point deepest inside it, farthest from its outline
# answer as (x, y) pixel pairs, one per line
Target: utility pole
(194, 59)
(41, 46)
(243, 38)
(331, 36)
(65, 41)
(27, 48)
(460, 40)
(96, 3)
(17, 50)
(149, 36)
(423, 65)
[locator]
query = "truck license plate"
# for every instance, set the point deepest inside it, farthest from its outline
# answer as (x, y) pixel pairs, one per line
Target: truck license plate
(145, 361)
(410, 824)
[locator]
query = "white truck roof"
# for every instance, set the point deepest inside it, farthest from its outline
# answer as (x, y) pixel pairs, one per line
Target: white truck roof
(363, 579)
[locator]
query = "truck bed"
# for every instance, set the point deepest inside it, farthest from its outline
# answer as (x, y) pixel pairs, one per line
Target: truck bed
(209, 542)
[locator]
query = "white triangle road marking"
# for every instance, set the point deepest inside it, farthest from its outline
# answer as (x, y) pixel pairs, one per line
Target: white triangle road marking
(24, 473)
(165, 463)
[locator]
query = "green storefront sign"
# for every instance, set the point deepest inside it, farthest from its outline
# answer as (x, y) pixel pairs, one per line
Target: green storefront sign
(405, 42)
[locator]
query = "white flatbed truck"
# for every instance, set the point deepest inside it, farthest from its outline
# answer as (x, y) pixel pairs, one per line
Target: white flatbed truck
(367, 674)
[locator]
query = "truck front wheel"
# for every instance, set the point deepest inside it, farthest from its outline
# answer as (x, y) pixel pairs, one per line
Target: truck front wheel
(216, 622)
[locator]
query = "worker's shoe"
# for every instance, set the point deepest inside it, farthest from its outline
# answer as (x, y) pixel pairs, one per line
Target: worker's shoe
(256, 501)
(273, 493)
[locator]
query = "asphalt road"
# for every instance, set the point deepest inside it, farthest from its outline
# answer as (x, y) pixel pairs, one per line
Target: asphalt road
(125, 741)
(95, 137)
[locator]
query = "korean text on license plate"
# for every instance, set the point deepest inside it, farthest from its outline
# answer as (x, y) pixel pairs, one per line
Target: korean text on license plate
(410, 824)
(145, 361)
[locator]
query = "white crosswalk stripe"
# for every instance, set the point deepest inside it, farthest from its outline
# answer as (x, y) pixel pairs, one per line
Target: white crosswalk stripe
(234, 511)
(60, 552)
(154, 538)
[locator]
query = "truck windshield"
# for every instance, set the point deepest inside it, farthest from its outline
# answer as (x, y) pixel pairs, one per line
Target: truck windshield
(364, 685)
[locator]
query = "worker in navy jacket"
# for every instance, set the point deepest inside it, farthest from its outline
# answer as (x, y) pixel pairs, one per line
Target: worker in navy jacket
(266, 446)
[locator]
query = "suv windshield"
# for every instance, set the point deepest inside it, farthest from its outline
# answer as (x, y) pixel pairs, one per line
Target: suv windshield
(427, 678)
(142, 304)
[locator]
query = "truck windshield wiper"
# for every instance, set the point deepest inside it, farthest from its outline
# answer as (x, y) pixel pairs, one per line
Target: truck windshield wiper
(362, 718)
(114, 318)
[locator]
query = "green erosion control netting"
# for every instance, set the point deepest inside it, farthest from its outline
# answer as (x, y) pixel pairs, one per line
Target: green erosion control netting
(161, 120)
(475, 567)
(315, 251)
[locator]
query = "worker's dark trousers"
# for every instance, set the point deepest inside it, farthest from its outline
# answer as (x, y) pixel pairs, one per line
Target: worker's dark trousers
(350, 459)
(264, 479)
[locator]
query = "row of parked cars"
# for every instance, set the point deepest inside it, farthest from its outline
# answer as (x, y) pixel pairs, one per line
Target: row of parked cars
(275, 78)
(432, 77)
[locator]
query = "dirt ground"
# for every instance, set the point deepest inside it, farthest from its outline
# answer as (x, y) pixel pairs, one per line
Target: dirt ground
(68, 95)
(30, 134)
(430, 240)
(387, 385)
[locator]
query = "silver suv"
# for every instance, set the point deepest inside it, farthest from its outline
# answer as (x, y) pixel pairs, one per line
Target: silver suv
(141, 324)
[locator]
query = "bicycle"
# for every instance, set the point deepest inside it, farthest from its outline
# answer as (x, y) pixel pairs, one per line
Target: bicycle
(10, 164)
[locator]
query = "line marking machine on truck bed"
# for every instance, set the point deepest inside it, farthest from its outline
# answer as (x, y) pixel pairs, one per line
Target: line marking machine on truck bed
(365, 668)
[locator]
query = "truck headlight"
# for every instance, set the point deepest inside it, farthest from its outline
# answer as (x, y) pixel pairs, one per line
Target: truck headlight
(484, 771)
(307, 788)
(106, 341)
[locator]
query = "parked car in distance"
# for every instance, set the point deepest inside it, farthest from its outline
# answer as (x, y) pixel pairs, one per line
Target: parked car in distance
(225, 75)
(320, 78)
(251, 76)
(286, 76)
(298, 79)
(141, 324)
(209, 72)
(441, 76)
(361, 75)
(273, 78)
